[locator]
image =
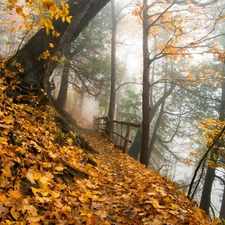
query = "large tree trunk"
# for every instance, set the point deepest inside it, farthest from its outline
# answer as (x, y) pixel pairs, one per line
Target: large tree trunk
(37, 72)
(112, 102)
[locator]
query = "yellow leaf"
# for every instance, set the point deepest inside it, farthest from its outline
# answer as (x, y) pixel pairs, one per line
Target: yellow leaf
(68, 19)
(32, 129)
(189, 77)
(15, 194)
(51, 45)
(3, 198)
(30, 176)
(59, 168)
(10, 7)
(19, 11)
(222, 17)
(57, 16)
(13, 1)
(55, 34)
(35, 190)
(46, 165)
(29, 208)
(54, 58)
(14, 214)
(12, 30)
(37, 10)
(66, 208)
(34, 219)
(3, 140)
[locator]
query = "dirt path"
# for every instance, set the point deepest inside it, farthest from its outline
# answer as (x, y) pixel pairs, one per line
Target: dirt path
(132, 194)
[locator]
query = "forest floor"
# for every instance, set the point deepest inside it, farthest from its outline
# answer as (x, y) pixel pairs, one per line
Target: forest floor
(51, 174)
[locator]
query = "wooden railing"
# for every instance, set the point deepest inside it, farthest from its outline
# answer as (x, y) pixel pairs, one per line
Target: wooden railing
(121, 129)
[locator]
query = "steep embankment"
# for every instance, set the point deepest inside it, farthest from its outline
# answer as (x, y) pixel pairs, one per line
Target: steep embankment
(51, 175)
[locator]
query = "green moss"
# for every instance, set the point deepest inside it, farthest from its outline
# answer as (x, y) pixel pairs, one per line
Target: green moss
(60, 137)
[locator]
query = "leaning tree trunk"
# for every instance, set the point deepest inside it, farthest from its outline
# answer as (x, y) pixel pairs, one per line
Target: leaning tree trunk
(37, 71)
(211, 172)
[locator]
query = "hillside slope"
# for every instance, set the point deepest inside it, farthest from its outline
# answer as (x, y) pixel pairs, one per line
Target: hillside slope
(49, 174)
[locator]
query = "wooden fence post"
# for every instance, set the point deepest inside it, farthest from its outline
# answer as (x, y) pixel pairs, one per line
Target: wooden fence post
(126, 140)
(102, 121)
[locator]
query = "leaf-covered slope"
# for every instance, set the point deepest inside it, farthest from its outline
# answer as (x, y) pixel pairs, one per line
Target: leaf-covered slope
(46, 179)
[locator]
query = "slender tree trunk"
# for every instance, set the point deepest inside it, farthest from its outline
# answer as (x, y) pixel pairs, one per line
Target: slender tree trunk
(81, 103)
(37, 71)
(146, 88)
(112, 103)
(222, 114)
(136, 145)
(207, 188)
(222, 208)
(62, 96)
(154, 134)
(210, 174)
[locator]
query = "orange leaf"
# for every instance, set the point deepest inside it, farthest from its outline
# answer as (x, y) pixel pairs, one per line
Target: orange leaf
(15, 194)
(3, 198)
(222, 17)
(14, 214)
(91, 220)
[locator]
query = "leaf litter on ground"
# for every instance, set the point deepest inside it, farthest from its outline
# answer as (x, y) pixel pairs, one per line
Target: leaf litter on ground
(39, 183)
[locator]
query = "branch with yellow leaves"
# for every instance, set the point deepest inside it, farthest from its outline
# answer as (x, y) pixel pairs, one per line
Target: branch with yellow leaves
(202, 162)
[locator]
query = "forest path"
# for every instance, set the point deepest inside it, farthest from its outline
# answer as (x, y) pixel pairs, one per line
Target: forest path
(51, 174)
(132, 194)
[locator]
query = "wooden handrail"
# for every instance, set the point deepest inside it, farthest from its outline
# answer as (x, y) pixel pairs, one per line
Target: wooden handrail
(126, 138)
(125, 123)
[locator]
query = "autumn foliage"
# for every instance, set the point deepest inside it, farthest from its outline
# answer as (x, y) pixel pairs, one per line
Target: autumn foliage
(46, 11)
(47, 178)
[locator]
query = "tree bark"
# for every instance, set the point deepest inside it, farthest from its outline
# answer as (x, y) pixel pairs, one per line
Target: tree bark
(154, 133)
(62, 96)
(136, 145)
(222, 208)
(37, 72)
(146, 88)
(211, 172)
(222, 115)
(207, 188)
(112, 102)
(81, 102)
